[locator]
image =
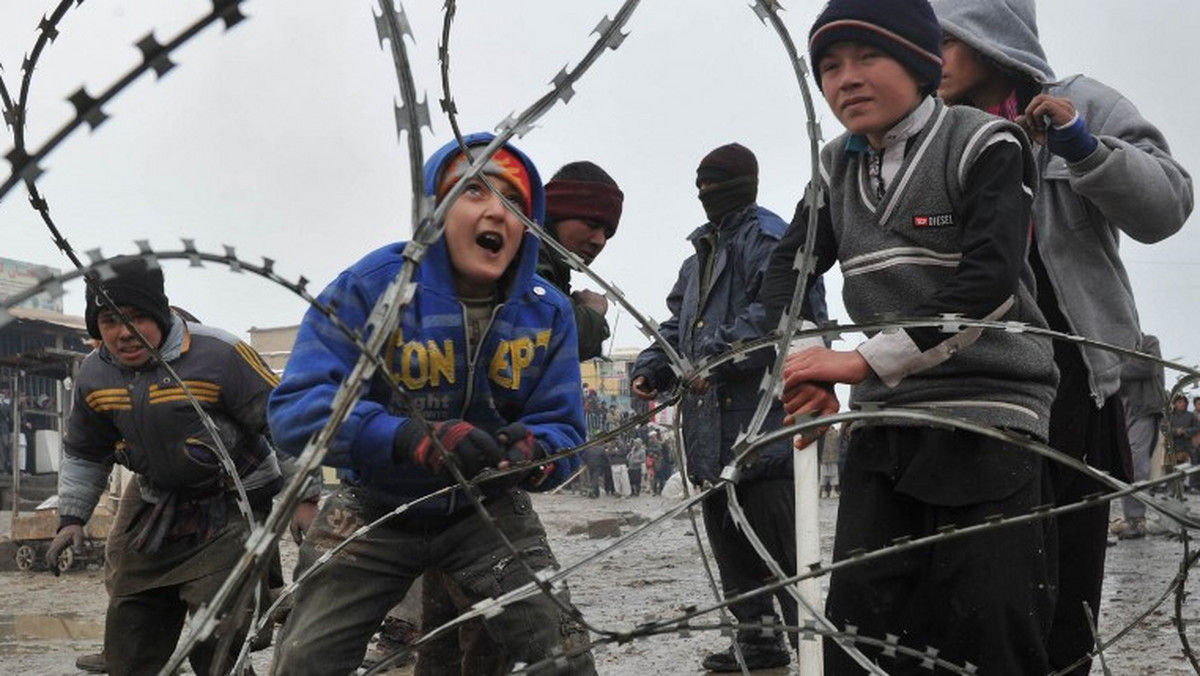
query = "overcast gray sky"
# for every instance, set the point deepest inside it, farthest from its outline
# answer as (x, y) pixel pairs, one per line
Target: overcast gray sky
(277, 137)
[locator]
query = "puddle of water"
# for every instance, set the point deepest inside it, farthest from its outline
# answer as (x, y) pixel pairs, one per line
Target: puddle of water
(50, 627)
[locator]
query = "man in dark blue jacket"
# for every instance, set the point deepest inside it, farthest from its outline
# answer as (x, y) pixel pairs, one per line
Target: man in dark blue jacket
(712, 307)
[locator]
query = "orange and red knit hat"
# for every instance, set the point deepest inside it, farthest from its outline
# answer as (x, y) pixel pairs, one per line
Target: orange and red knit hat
(503, 165)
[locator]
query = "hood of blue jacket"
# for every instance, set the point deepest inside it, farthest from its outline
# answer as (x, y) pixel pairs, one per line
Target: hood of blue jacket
(526, 260)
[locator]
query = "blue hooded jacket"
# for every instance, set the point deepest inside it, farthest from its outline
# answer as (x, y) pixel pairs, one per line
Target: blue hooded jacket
(526, 367)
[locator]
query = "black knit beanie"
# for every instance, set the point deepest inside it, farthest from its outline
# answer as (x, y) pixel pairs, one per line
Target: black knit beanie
(731, 175)
(134, 284)
(906, 30)
(730, 161)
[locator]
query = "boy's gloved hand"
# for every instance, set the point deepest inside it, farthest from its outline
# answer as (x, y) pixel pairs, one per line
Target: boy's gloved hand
(70, 535)
(469, 447)
(521, 448)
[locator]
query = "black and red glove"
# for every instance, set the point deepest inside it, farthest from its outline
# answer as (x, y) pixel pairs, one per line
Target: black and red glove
(471, 449)
(521, 448)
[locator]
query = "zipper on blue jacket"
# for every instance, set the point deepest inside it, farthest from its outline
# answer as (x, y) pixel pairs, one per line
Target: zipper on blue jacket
(475, 350)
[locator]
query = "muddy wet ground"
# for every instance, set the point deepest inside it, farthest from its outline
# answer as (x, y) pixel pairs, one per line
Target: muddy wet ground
(46, 622)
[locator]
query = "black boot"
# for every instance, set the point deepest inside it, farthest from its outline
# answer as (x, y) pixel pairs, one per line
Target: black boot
(756, 655)
(95, 663)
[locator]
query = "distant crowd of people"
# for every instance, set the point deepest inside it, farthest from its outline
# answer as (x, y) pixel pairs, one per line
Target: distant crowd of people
(641, 460)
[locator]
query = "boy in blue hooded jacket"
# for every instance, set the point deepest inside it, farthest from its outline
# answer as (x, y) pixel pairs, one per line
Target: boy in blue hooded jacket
(487, 351)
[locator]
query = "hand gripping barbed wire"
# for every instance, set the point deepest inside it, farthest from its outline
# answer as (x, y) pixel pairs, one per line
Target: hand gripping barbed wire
(90, 108)
(850, 635)
(745, 443)
(518, 125)
(449, 107)
(803, 265)
(951, 531)
(257, 544)
(266, 270)
(562, 82)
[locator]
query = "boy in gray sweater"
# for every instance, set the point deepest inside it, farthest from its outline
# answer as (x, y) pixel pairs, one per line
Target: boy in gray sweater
(926, 208)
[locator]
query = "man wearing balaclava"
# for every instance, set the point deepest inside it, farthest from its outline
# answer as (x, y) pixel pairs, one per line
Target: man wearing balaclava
(713, 307)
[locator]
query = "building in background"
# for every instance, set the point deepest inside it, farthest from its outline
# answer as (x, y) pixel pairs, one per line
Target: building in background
(40, 352)
(609, 376)
(19, 276)
(274, 344)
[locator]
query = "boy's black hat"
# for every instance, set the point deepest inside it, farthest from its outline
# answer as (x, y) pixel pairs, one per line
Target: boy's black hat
(726, 163)
(135, 284)
(906, 30)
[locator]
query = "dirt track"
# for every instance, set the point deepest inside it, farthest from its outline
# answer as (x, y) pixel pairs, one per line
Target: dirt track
(45, 622)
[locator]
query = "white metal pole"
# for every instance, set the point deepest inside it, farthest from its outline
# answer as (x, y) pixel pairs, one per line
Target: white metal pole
(808, 550)
(808, 534)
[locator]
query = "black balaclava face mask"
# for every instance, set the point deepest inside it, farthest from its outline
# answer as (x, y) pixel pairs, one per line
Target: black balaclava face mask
(729, 176)
(722, 198)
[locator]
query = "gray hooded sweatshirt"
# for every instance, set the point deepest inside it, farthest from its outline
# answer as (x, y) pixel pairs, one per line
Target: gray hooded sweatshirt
(1130, 184)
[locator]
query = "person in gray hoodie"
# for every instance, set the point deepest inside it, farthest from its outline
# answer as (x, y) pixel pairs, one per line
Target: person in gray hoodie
(1105, 170)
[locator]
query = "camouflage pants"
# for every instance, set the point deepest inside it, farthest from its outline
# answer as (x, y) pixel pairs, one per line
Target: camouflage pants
(337, 610)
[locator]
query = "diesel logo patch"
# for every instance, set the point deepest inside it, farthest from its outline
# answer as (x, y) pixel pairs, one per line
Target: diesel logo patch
(934, 221)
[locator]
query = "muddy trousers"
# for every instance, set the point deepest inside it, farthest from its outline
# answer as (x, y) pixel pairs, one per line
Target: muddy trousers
(341, 605)
(141, 630)
(469, 650)
(771, 510)
(150, 595)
